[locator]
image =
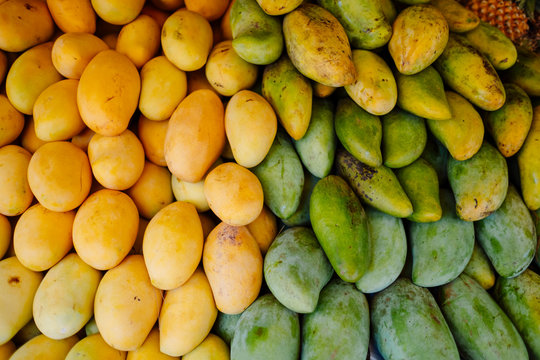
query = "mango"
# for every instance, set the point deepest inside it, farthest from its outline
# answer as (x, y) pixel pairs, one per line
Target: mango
(494, 45)
(318, 46)
(139, 40)
(211, 10)
(94, 347)
(264, 229)
(15, 193)
(436, 154)
(529, 164)
(479, 184)
(339, 326)
(27, 333)
(480, 269)
(152, 137)
(225, 326)
(7, 350)
(192, 193)
(212, 348)
(5, 235)
(73, 17)
(91, 327)
(11, 121)
(149, 349)
(459, 18)
(266, 327)
(278, 7)
(41, 347)
(508, 236)
(525, 73)
(301, 215)
(118, 12)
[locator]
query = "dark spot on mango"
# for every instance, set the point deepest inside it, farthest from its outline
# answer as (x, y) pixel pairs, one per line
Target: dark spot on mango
(14, 280)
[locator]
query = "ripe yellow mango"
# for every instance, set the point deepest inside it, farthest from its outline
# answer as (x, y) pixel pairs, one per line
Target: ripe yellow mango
(94, 347)
(118, 12)
(529, 164)
(75, 16)
(139, 40)
(210, 9)
(278, 7)
(212, 348)
(5, 235)
(15, 193)
(7, 350)
(11, 121)
(459, 18)
(149, 350)
(43, 348)
(152, 137)
(29, 141)
(264, 229)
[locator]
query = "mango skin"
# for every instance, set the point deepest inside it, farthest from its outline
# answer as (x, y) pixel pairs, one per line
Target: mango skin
(301, 215)
(266, 327)
(364, 21)
(529, 164)
(518, 297)
(15, 193)
(212, 348)
(436, 154)
(43, 348)
(278, 7)
(257, 36)
(94, 347)
(225, 326)
(378, 187)
(536, 218)
(340, 224)
(480, 269)
(318, 46)
(441, 249)
(149, 349)
(339, 326)
(479, 183)
(459, 18)
(508, 236)
(525, 72)
(469, 73)
(494, 45)
(394, 310)
(480, 327)
(296, 269)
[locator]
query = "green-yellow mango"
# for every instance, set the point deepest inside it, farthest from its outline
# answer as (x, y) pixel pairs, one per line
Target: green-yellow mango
(436, 154)
(301, 215)
(389, 10)
(529, 164)
(480, 269)
(526, 72)
(494, 45)
(278, 7)
(469, 73)
(225, 326)
(318, 46)
(458, 17)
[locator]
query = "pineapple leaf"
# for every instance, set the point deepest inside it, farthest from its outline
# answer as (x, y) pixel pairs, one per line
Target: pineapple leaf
(528, 6)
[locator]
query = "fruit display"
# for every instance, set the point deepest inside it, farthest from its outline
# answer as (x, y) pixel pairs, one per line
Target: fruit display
(269, 179)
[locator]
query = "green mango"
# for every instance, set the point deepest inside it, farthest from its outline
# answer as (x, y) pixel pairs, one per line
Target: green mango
(282, 177)
(266, 327)
(257, 36)
(91, 327)
(536, 218)
(469, 73)
(525, 73)
(510, 124)
(519, 298)
(340, 224)
(378, 187)
(481, 329)
(301, 215)
(359, 132)
(494, 45)
(422, 94)
(363, 20)
(389, 10)
(404, 138)
(441, 250)
(290, 94)
(318, 146)
(408, 324)
(388, 251)
(225, 326)
(436, 154)
(419, 180)
(529, 164)
(479, 183)
(508, 236)
(480, 269)
(339, 326)
(296, 269)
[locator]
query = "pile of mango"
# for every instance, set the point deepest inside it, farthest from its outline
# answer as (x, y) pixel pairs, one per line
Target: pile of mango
(266, 179)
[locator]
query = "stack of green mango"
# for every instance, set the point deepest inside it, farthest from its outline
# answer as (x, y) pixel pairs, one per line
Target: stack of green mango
(388, 184)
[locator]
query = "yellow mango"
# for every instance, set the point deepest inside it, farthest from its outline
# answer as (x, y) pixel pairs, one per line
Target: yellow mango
(105, 228)
(168, 5)
(59, 175)
(64, 301)
(5, 235)
(29, 139)
(56, 115)
(7, 350)
(152, 137)
(163, 87)
(186, 38)
(210, 9)
(187, 315)
(233, 264)
(108, 93)
(82, 139)
(43, 348)
(11, 121)
(278, 7)
(264, 229)
(18, 286)
(208, 223)
(529, 164)
(158, 15)
(3, 66)
(227, 72)
(137, 246)
(192, 193)
(322, 91)
(30, 74)
(374, 88)
(110, 40)
(172, 245)
(72, 52)
(251, 126)
(212, 348)
(197, 81)
(74, 16)
(234, 194)
(118, 12)
(139, 40)
(196, 135)
(15, 193)
(42, 237)
(150, 349)
(94, 347)
(126, 306)
(152, 192)
(225, 23)
(23, 24)
(459, 18)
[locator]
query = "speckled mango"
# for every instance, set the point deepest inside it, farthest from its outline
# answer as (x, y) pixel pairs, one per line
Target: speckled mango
(459, 18)
(494, 45)
(525, 72)
(480, 269)
(529, 164)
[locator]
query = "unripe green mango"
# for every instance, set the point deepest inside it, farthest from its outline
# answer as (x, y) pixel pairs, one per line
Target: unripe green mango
(419, 180)
(508, 236)
(458, 17)
(282, 177)
(290, 94)
(480, 327)
(408, 324)
(494, 45)
(388, 251)
(339, 326)
(225, 326)
(469, 73)
(404, 138)
(296, 269)
(441, 249)
(529, 164)
(519, 298)
(436, 154)
(536, 219)
(301, 215)
(389, 10)
(340, 224)
(378, 187)
(257, 36)
(266, 328)
(480, 269)
(423, 94)
(479, 183)
(359, 132)
(525, 73)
